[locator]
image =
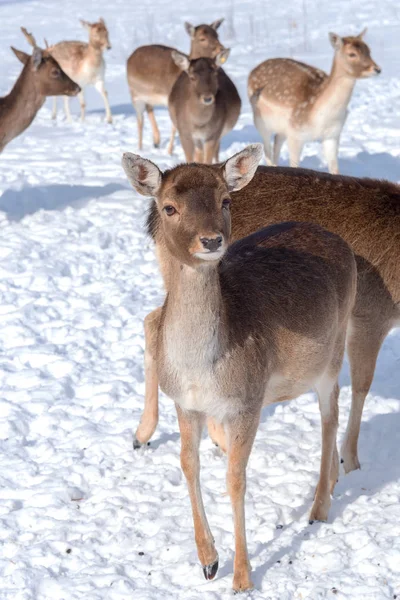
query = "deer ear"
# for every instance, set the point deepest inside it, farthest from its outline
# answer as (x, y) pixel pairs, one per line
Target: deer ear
(143, 175)
(335, 40)
(37, 57)
(85, 24)
(22, 56)
(239, 170)
(362, 34)
(181, 60)
(191, 30)
(102, 20)
(216, 24)
(222, 57)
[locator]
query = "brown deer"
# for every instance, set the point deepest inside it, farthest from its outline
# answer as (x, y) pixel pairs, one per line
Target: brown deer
(41, 76)
(85, 64)
(300, 103)
(203, 105)
(152, 72)
(243, 326)
(365, 213)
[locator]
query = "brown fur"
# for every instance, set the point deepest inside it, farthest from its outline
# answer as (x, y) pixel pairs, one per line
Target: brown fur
(259, 322)
(151, 73)
(41, 76)
(300, 103)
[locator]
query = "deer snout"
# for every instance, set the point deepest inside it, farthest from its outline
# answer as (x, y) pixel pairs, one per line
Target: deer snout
(208, 100)
(75, 89)
(212, 244)
(109, 46)
(377, 69)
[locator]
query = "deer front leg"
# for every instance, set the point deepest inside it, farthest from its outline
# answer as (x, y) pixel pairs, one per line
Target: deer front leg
(330, 148)
(154, 126)
(188, 147)
(210, 148)
(172, 140)
(100, 87)
(241, 433)
(81, 97)
(149, 419)
(191, 424)
(66, 108)
(295, 148)
(54, 111)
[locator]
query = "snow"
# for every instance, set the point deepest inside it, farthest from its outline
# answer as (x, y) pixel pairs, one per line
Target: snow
(81, 514)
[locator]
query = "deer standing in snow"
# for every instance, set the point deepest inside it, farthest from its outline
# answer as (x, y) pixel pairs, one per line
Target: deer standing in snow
(300, 103)
(85, 64)
(41, 77)
(152, 72)
(203, 105)
(243, 326)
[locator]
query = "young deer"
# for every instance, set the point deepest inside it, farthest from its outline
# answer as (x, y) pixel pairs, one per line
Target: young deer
(85, 64)
(152, 72)
(243, 326)
(300, 103)
(41, 76)
(203, 105)
(365, 213)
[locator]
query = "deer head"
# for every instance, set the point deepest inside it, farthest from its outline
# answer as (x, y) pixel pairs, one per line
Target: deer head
(193, 202)
(98, 34)
(203, 74)
(204, 39)
(354, 56)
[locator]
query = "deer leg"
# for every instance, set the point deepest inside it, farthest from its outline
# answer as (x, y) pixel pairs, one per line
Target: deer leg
(83, 105)
(216, 432)
(198, 156)
(139, 107)
(154, 126)
(210, 147)
(330, 149)
(149, 418)
(54, 111)
(216, 155)
(328, 394)
(295, 148)
(265, 134)
(188, 148)
(278, 143)
(66, 108)
(363, 345)
(100, 87)
(240, 434)
(191, 424)
(172, 140)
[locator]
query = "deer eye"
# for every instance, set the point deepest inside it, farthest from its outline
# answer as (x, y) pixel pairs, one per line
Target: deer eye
(352, 54)
(226, 203)
(202, 40)
(169, 210)
(55, 73)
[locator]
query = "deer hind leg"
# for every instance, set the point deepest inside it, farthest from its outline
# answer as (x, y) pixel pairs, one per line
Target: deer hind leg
(240, 435)
(216, 432)
(330, 149)
(139, 107)
(172, 140)
(363, 345)
(191, 424)
(100, 87)
(278, 143)
(295, 147)
(328, 394)
(154, 126)
(149, 418)
(54, 111)
(66, 108)
(265, 133)
(83, 104)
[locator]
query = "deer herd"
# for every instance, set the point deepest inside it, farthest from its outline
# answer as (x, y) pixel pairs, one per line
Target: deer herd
(269, 272)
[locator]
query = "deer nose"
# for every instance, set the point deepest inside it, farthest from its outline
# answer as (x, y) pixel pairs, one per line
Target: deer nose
(378, 70)
(212, 244)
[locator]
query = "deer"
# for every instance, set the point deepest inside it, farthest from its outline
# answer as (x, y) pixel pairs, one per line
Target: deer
(243, 325)
(364, 212)
(203, 105)
(151, 73)
(41, 77)
(84, 63)
(300, 103)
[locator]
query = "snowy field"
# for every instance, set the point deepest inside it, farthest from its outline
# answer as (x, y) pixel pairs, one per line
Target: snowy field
(83, 516)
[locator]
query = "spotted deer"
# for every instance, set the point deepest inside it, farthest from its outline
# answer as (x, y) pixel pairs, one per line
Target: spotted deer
(365, 213)
(41, 77)
(152, 72)
(243, 326)
(85, 64)
(203, 105)
(300, 103)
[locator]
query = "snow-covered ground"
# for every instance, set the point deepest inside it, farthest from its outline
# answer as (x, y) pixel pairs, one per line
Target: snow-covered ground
(81, 514)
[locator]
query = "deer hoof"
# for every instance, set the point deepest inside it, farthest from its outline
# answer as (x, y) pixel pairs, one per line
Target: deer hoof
(137, 444)
(210, 570)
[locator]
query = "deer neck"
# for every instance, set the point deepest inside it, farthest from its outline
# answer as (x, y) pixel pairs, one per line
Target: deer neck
(94, 52)
(20, 106)
(193, 337)
(336, 92)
